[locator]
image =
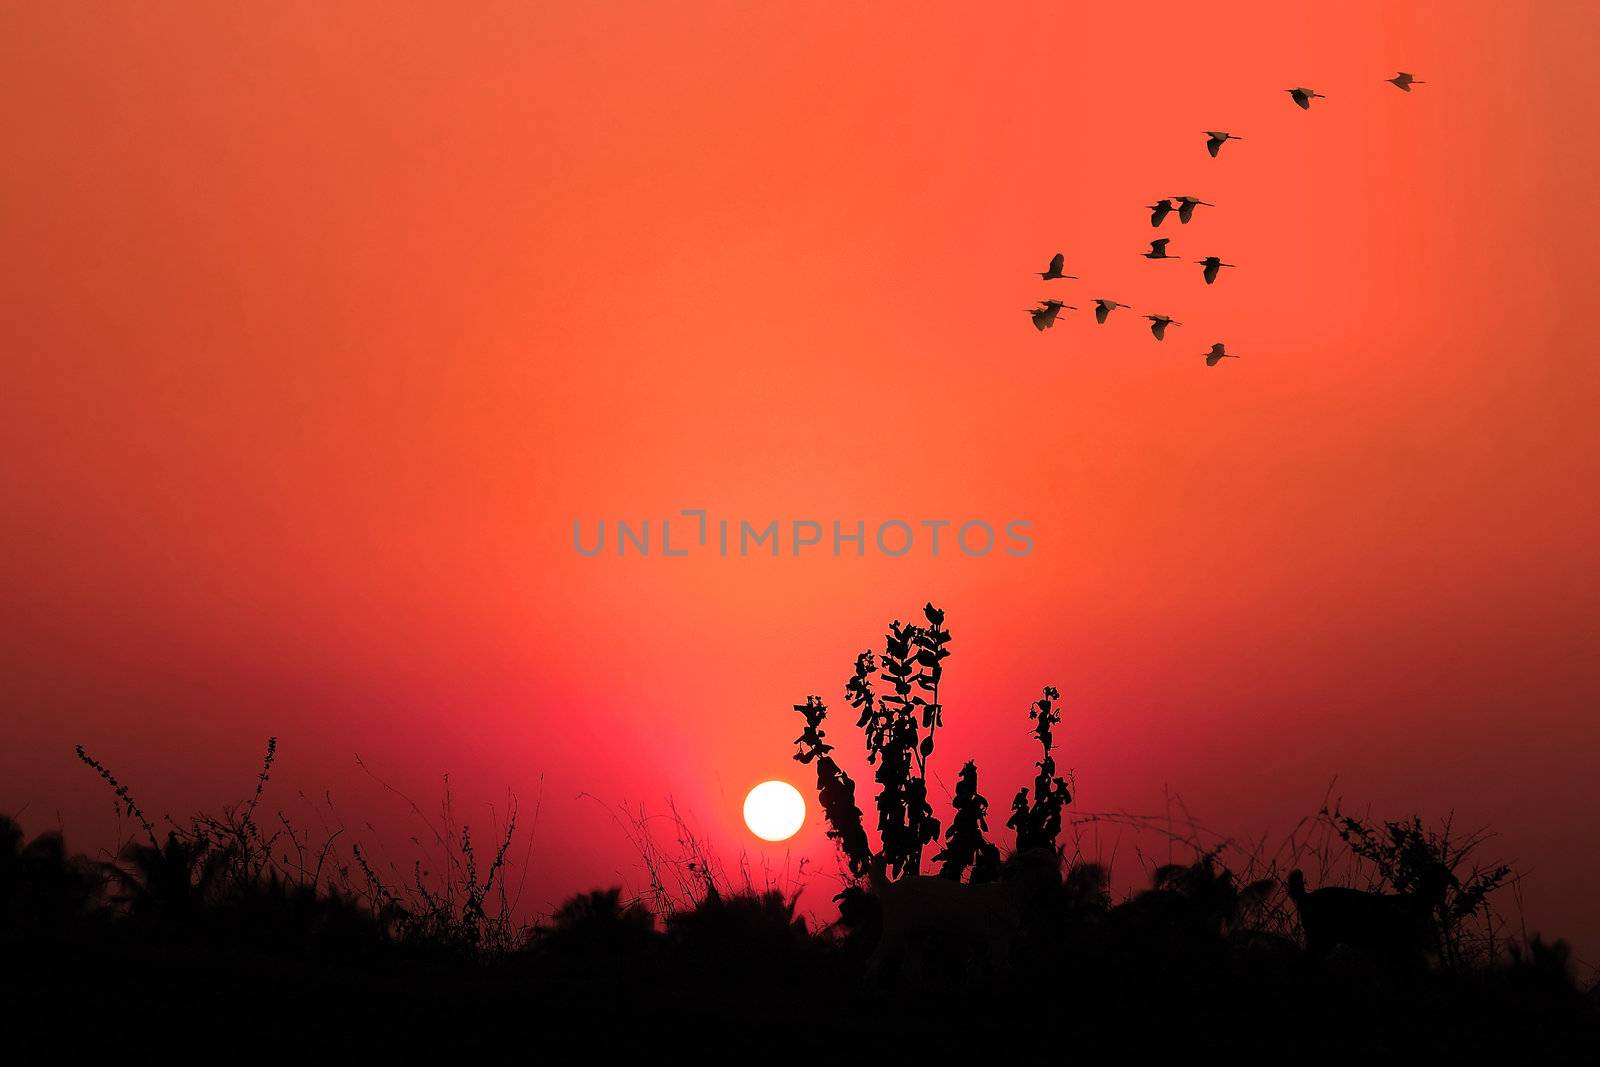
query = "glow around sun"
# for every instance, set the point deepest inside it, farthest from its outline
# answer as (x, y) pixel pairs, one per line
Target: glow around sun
(774, 811)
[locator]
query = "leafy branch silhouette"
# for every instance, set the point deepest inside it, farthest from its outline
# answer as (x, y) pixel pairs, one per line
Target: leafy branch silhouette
(898, 727)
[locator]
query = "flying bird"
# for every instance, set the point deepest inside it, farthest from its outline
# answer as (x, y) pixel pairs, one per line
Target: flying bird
(1303, 97)
(1056, 263)
(1218, 354)
(1103, 308)
(1159, 324)
(1044, 316)
(1158, 249)
(1211, 263)
(1215, 138)
(1159, 212)
(1186, 206)
(1404, 82)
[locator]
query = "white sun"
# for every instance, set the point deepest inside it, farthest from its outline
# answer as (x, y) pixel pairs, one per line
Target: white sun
(774, 811)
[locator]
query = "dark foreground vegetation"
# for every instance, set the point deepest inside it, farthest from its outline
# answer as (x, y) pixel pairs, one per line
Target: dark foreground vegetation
(1351, 940)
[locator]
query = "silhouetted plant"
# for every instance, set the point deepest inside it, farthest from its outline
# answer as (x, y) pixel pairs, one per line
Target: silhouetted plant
(835, 791)
(1544, 970)
(1203, 895)
(450, 908)
(1087, 886)
(125, 801)
(875, 718)
(43, 889)
(1413, 859)
(228, 860)
(912, 664)
(905, 820)
(1037, 822)
(965, 846)
(170, 881)
(899, 728)
(739, 924)
(596, 923)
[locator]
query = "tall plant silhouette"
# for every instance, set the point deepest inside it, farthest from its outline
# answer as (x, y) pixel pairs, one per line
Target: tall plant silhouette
(899, 726)
(1037, 820)
(964, 844)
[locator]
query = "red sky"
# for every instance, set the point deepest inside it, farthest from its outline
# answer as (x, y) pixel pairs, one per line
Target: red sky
(322, 326)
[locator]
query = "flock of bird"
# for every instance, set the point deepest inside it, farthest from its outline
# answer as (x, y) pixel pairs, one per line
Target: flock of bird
(1044, 316)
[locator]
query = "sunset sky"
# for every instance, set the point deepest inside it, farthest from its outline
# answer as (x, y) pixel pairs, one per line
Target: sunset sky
(322, 324)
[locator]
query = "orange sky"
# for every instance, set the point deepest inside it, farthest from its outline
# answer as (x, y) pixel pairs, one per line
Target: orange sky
(322, 325)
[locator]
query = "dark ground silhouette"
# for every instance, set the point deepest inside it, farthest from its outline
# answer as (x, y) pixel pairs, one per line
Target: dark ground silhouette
(238, 934)
(1182, 967)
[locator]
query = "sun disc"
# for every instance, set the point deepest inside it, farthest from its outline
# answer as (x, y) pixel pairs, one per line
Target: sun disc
(774, 811)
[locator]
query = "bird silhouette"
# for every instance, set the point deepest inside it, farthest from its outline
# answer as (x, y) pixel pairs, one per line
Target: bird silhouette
(1303, 97)
(1103, 308)
(1158, 249)
(1159, 212)
(1159, 324)
(1215, 138)
(1404, 82)
(1211, 263)
(1044, 316)
(1217, 354)
(1056, 263)
(1186, 206)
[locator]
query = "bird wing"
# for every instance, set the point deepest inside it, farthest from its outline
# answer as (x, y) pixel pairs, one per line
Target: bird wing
(1057, 262)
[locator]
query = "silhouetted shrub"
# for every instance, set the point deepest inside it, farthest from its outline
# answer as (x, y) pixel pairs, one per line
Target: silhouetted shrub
(596, 925)
(43, 890)
(899, 727)
(1436, 864)
(737, 926)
